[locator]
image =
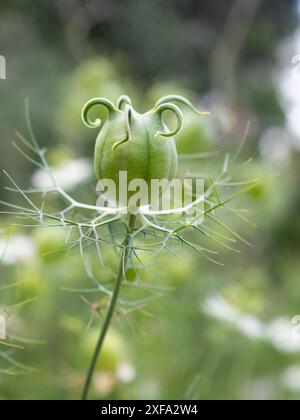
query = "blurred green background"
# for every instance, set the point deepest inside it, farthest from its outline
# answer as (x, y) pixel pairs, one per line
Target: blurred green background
(221, 332)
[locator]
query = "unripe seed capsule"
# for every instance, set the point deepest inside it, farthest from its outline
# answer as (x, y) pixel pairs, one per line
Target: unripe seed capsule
(139, 144)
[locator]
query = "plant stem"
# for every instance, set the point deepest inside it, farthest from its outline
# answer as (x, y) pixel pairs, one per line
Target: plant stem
(111, 310)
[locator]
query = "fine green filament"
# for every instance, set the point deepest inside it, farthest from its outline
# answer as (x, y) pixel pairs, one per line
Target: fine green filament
(170, 107)
(90, 104)
(181, 100)
(123, 100)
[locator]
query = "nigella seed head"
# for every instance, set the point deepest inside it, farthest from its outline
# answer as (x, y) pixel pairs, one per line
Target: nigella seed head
(142, 145)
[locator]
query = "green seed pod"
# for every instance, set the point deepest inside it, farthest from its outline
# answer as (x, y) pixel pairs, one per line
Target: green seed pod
(139, 144)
